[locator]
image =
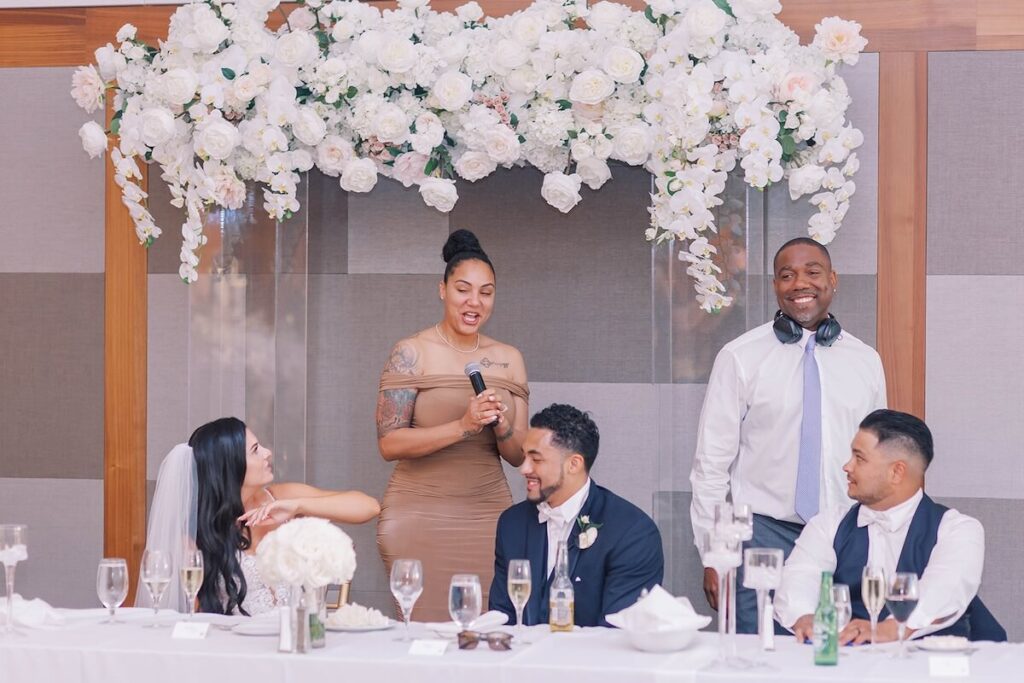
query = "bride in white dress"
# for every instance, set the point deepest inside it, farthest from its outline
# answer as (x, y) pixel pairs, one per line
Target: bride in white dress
(217, 494)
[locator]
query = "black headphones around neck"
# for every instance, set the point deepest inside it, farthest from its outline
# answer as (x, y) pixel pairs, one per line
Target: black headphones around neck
(789, 331)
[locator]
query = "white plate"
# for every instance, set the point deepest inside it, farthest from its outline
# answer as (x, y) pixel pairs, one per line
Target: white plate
(361, 629)
(943, 644)
(257, 628)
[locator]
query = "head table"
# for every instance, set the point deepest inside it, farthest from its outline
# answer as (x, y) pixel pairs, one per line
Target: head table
(85, 650)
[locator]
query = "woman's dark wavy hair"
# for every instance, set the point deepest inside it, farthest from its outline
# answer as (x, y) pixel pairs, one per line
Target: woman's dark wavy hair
(219, 451)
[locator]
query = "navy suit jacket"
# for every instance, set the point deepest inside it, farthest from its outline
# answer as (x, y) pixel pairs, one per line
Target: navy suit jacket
(607, 577)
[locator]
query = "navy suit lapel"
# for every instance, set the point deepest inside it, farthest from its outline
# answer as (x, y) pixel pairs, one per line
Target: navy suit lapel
(536, 553)
(593, 506)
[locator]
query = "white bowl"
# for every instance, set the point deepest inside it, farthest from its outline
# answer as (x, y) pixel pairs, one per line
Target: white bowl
(661, 641)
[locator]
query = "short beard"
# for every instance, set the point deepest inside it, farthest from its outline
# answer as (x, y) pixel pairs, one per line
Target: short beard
(544, 493)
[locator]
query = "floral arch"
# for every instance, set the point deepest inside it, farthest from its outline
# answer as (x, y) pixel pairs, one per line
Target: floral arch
(689, 89)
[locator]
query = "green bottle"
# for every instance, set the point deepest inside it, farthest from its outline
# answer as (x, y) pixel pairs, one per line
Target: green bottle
(826, 636)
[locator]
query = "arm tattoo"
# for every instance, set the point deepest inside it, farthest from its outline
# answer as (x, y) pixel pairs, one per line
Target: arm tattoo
(507, 435)
(467, 435)
(395, 406)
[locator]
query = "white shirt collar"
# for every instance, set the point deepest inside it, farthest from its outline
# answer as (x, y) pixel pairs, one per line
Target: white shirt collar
(894, 518)
(567, 511)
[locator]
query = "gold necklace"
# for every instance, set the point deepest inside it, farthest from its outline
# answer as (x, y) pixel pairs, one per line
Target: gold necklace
(437, 328)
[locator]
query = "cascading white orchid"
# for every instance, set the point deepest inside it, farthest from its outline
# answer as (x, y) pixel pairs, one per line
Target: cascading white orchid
(689, 89)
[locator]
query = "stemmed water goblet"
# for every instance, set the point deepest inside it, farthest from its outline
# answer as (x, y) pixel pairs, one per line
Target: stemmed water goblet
(13, 549)
(112, 585)
(406, 586)
(762, 572)
(721, 552)
(844, 610)
(464, 599)
(520, 584)
(155, 573)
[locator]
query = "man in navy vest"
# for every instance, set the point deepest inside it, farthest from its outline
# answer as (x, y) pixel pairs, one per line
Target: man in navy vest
(894, 525)
(614, 547)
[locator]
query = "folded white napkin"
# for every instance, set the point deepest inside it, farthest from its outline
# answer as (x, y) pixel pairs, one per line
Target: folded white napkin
(658, 611)
(485, 622)
(32, 613)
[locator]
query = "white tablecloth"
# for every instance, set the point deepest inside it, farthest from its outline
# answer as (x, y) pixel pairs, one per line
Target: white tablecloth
(86, 651)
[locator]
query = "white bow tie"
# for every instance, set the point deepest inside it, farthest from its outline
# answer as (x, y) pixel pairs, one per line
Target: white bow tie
(866, 516)
(545, 512)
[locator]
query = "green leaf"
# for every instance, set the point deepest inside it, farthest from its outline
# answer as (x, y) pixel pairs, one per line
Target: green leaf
(782, 116)
(513, 120)
(351, 92)
(573, 134)
(430, 167)
(115, 125)
(394, 151)
(228, 73)
(725, 7)
(788, 145)
(563, 104)
(649, 13)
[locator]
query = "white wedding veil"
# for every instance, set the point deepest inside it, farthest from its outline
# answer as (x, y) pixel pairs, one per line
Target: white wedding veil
(172, 521)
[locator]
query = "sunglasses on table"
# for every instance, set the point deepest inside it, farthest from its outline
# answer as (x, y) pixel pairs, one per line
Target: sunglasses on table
(496, 640)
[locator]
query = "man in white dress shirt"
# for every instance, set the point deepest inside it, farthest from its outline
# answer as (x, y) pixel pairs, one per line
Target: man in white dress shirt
(782, 404)
(896, 527)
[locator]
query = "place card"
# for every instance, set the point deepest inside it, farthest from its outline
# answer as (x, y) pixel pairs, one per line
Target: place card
(190, 630)
(428, 647)
(949, 666)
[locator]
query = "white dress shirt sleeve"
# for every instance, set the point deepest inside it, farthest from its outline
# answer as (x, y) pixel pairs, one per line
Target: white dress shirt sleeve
(801, 576)
(718, 441)
(953, 575)
(881, 399)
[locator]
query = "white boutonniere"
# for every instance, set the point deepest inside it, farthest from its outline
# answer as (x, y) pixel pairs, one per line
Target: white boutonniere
(588, 531)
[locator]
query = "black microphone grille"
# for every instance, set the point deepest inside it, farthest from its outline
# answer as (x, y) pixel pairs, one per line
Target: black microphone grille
(472, 367)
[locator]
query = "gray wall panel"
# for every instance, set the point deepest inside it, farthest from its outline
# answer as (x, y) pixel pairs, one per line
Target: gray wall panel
(51, 371)
(975, 385)
(167, 367)
(63, 549)
(975, 163)
(52, 192)
(327, 219)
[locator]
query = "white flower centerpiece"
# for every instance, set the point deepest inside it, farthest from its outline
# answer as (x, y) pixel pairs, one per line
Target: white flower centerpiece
(307, 552)
(688, 89)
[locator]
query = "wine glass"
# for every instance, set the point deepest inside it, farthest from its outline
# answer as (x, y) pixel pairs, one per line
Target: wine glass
(112, 584)
(13, 549)
(901, 599)
(743, 519)
(464, 598)
(872, 592)
(841, 599)
(156, 576)
(191, 578)
(406, 586)
(762, 572)
(520, 584)
(721, 552)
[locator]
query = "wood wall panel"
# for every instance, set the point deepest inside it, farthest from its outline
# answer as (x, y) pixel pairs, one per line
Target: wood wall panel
(902, 226)
(53, 37)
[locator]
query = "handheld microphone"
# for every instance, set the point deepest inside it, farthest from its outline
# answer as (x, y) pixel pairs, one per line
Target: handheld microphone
(473, 371)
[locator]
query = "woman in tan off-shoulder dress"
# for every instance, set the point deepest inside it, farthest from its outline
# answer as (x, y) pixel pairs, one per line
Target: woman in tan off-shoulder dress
(442, 503)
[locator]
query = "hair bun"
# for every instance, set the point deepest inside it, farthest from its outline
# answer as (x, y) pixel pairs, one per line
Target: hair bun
(460, 242)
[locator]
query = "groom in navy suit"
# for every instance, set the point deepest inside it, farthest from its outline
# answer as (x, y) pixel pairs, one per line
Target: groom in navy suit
(614, 547)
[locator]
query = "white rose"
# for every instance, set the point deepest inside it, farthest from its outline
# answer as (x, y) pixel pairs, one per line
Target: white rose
(805, 180)
(208, 31)
(179, 86)
(623, 64)
(157, 126)
(839, 40)
(391, 124)
(228, 190)
(408, 168)
(259, 8)
(87, 88)
(661, 7)
(301, 19)
(245, 88)
(607, 17)
(475, 165)
(397, 55)
(216, 139)
(523, 80)
(296, 49)
(471, 11)
(508, 55)
(561, 191)
(752, 10)
(594, 172)
(528, 27)
(301, 160)
(359, 175)
(452, 90)
(591, 87)
(94, 140)
(412, 4)
(439, 193)
(797, 84)
(429, 133)
(333, 153)
(501, 144)
(343, 30)
(453, 50)
(632, 144)
(308, 127)
(109, 61)
(126, 32)
(704, 20)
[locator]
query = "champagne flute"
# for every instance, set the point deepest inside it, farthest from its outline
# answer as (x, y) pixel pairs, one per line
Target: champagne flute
(13, 542)
(191, 578)
(841, 599)
(156, 576)
(112, 584)
(872, 592)
(464, 598)
(406, 586)
(520, 584)
(901, 599)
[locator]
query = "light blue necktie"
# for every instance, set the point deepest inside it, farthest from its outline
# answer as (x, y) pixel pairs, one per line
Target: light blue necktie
(808, 472)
